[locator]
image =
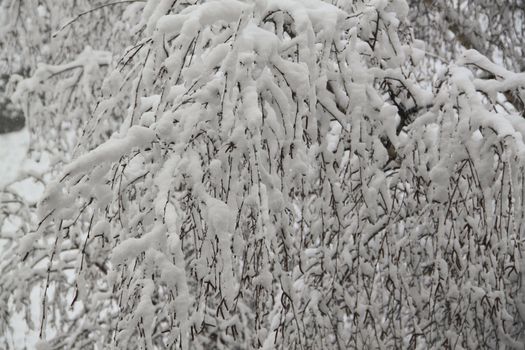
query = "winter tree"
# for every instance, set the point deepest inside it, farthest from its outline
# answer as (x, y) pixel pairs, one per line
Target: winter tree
(278, 175)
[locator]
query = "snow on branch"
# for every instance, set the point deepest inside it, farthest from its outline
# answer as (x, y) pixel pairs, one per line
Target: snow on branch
(280, 179)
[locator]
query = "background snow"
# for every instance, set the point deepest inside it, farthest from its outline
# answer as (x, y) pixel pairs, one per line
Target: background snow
(13, 150)
(13, 160)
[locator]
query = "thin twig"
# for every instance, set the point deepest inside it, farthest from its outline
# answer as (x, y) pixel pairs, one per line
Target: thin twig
(92, 10)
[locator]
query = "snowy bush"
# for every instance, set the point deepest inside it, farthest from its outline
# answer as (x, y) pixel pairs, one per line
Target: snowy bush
(281, 178)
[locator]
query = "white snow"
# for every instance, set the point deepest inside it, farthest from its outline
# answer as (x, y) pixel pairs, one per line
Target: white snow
(13, 150)
(13, 162)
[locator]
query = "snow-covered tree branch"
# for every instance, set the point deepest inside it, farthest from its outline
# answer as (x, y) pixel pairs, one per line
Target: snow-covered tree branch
(277, 175)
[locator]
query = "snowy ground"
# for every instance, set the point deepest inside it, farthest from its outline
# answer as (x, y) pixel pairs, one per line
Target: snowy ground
(13, 163)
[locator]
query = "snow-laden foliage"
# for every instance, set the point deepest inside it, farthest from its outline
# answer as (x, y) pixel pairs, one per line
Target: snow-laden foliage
(66, 46)
(493, 27)
(51, 42)
(282, 180)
